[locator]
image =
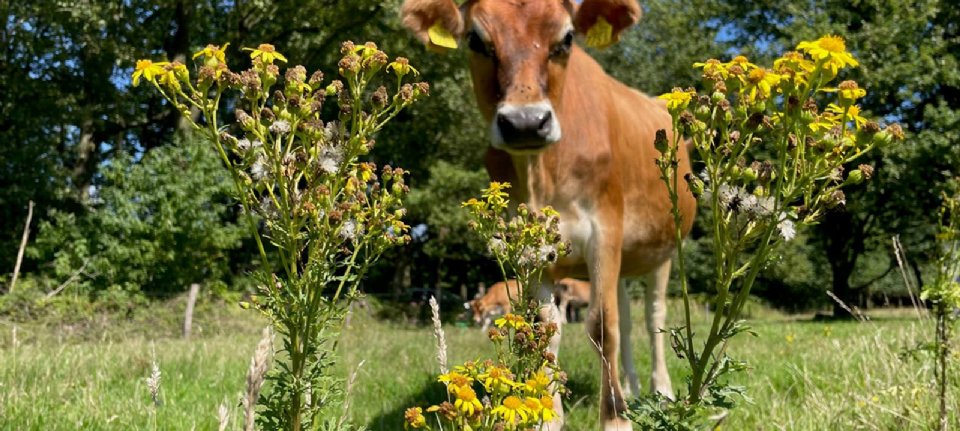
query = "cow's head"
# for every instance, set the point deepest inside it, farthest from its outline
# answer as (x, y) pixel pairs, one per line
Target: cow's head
(476, 308)
(519, 53)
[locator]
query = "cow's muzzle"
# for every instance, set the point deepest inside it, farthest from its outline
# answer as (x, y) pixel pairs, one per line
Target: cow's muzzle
(525, 128)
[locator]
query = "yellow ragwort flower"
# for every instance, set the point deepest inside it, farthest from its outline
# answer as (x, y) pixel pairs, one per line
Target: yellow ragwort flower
(455, 381)
(413, 418)
(213, 54)
(401, 66)
(850, 113)
(511, 320)
(467, 401)
(822, 122)
(537, 383)
(850, 92)
(678, 99)
(468, 368)
(513, 411)
(148, 70)
(497, 379)
(830, 52)
(741, 61)
(172, 74)
(760, 83)
(547, 413)
(534, 407)
(794, 67)
(495, 196)
(713, 69)
(266, 53)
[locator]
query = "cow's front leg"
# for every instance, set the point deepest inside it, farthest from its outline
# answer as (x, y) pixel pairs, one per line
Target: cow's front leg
(549, 313)
(631, 383)
(655, 302)
(603, 323)
(564, 305)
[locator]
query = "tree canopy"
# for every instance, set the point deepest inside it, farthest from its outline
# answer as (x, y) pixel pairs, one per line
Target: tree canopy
(72, 127)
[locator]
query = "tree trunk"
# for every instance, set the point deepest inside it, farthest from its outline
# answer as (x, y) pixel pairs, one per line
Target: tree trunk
(843, 243)
(87, 158)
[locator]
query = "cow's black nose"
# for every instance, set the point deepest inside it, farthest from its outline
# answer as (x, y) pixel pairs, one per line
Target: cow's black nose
(525, 125)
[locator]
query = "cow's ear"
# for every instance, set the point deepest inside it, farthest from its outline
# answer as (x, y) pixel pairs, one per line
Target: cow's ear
(437, 23)
(602, 21)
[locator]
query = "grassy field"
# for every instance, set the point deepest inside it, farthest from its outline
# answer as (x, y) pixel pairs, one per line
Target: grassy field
(805, 375)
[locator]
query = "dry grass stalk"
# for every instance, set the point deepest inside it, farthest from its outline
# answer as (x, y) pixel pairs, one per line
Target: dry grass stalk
(901, 263)
(347, 397)
(259, 365)
(153, 384)
(223, 416)
(438, 332)
(855, 313)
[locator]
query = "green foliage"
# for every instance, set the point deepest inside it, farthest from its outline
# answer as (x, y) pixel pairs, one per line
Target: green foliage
(156, 226)
(437, 203)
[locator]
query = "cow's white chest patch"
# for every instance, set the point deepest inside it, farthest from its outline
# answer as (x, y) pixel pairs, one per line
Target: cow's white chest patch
(576, 226)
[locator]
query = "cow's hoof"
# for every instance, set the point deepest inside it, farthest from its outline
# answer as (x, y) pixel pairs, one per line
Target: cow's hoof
(618, 424)
(554, 425)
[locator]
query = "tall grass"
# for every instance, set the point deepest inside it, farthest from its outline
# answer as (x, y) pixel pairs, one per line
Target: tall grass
(805, 375)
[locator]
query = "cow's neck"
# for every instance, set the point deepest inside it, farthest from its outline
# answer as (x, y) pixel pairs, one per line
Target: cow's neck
(533, 181)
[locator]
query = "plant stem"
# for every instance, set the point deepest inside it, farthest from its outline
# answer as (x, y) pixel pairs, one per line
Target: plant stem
(942, 352)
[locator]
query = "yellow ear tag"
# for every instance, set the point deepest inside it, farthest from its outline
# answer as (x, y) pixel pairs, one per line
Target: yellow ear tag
(601, 34)
(441, 37)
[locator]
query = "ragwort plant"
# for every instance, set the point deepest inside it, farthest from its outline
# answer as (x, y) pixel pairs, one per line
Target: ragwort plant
(520, 389)
(771, 145)
(328, 215)
(944, 293)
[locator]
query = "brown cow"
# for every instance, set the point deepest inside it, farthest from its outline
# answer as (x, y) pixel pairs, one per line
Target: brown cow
(568, 135)
(494, 302)
(571, 292)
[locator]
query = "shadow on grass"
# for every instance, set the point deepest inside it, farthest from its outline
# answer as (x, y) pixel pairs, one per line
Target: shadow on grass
(581, 384)
(430, 393)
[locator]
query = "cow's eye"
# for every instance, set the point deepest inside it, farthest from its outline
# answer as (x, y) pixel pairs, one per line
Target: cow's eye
(477, 45)
(562, 48)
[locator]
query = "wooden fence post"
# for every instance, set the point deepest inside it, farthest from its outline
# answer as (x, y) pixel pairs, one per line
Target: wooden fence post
(188, 316)
(23, 244)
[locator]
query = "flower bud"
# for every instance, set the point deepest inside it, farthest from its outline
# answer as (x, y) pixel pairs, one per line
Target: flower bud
(660, 141)
(828, 143)
(759, 106)
(695, 184)
(854, 177)
(703, 112)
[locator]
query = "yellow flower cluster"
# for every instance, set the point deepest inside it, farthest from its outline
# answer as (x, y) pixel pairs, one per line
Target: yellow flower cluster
(513, 397)
(789, 89)
(821, 60)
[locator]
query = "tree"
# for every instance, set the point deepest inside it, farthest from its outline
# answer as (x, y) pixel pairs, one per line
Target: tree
(155, 226)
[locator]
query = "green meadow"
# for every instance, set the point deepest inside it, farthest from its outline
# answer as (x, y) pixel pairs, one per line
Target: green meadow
(804, 374)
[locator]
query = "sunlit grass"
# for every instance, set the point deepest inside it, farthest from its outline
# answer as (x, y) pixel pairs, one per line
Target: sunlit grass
(805, 375)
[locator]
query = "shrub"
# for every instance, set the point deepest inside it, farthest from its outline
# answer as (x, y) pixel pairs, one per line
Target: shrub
(771, 159)
(327, 215)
